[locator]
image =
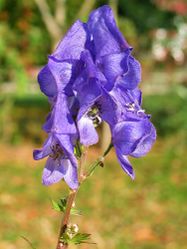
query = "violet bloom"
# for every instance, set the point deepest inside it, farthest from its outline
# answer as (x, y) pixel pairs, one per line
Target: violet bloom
(55, 80)
(92, 77)
(94, 101)
(61, 162)
(132, 132)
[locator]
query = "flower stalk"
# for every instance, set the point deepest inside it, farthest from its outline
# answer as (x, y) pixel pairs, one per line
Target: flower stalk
(72, 196)
(65, 219)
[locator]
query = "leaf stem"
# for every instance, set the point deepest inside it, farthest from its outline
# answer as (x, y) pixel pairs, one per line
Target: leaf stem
(99, 161)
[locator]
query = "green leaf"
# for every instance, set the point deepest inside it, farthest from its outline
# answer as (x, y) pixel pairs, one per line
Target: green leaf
(61, 207)
(63, 202)
(58, 207)
(80, 238)
(75, 211)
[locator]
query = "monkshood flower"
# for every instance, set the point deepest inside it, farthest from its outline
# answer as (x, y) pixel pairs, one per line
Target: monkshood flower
(55, 80)
(61, 162)
(111, 51)
(92, 77)
(115, 76)
(94, 101)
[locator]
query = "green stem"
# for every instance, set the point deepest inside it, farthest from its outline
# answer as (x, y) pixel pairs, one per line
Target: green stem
(108, 150)
(99, 161)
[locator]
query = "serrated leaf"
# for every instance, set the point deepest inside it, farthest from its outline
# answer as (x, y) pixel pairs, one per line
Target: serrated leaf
(75, 211)
(80, 238)
(65, 238)
(61, 207)
(63, 202)
(56, 206)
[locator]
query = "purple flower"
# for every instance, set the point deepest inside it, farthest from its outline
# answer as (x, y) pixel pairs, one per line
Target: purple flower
(132, 133)
(112, 52)
(92, 77)
(134, 138)
(61, 162)
(95, 102)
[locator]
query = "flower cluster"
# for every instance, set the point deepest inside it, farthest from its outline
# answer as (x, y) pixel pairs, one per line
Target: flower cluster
(92, 77)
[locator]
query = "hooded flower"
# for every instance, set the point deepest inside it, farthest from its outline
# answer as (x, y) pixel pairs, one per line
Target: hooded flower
(92, 77)
(55, 80)
(94, 101)
(112, 52)
(132, 138)
(61, 162)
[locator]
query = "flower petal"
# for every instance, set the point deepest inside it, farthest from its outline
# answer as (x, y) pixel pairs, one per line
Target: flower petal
(125, 164)
(66, 142)
(45, 151)
(71, 46)
(113, 66)
(145, 144)
(47, 82)
(87, 131)
(106, 36)
(62, 73)
(108, 108)
(60, 120)
(54, 171)
(128, 134)
(132, 77)
(71, 177)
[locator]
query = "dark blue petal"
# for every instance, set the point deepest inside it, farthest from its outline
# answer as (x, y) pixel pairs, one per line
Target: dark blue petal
(47, 82)
(108, 108)
(87, 85)
(71, 46)
(62, 73)
(60, 121)
(106, 36)
(145, 144)
(113, 66)
(45, 151)
(125, 164)
(132, 77)
(128, 134)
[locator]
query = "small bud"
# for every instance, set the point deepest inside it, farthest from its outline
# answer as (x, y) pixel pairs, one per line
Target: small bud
(101, 161)
(101, 164)
(75, 228)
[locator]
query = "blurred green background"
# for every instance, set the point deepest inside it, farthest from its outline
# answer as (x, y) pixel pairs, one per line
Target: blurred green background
(149, 213)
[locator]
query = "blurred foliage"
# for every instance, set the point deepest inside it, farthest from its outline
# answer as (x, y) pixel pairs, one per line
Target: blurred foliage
(168, 112)
(25, 40)
(146, 15)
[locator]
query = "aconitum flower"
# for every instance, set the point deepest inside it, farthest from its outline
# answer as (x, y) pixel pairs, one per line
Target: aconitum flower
(92, 77)
(61, 162)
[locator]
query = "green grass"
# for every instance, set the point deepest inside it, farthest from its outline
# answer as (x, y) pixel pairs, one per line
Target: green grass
(148, 213)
